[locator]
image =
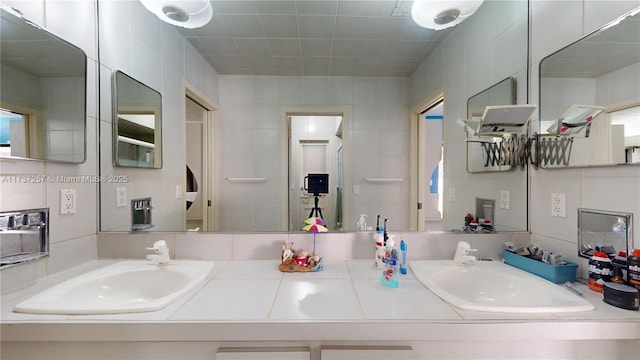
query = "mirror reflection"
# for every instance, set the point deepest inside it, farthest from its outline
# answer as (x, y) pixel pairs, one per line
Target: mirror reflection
(589, 91)
(137, 123)
(42, 94)
(315, 148)
(479, 148)
(247, 167)
(609, 232)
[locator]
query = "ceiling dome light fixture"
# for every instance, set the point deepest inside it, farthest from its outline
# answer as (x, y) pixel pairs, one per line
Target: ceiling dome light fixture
(188, 14)
(441, 14)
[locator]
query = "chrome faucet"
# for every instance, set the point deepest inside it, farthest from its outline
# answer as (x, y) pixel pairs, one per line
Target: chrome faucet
(161, 256)
(462, 256)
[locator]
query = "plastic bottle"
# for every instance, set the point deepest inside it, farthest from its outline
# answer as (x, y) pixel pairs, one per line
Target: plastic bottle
(619, 264)
(600, 271)
(403, 257)
(379, 250)
(633, 273)
(620, 226)
(362, 223)
(389, 274)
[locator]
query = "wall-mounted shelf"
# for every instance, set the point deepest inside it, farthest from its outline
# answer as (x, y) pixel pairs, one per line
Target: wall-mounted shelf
(246, 179)
(383, 180)
(137, 142)
(25, 236)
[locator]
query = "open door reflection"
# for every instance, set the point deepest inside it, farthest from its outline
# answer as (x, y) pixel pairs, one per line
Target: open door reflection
(315, 148)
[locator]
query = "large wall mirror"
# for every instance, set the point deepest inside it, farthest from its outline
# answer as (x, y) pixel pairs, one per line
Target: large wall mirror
(43, 93)
(137, 119)
(161, 65)
(601, 71)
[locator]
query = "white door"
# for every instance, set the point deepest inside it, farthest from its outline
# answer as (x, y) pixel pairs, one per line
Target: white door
(314, 159)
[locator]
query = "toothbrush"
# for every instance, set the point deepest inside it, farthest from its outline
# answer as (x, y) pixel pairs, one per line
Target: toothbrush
(403, 257)
(378, 223)
(573, 289)
(385, 236)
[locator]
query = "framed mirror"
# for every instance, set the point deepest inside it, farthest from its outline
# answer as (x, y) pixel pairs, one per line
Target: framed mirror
(137, 119)
(606, 231)
(42, 93)
(479, 148)
(589, 91)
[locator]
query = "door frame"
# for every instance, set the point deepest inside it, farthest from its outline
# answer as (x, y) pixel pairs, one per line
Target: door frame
(210, 206)
(417, 169)
(286, 112)
(328, 165)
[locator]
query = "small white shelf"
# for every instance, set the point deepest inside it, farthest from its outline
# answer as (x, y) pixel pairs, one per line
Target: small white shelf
(246, 179)
(137, 142)
(383, 180)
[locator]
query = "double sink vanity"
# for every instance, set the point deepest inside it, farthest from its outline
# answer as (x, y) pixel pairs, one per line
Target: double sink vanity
(250, 303)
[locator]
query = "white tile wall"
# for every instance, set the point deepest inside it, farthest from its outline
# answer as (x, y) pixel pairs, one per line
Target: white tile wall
(329, 246)
(165, 61)
(73, 237)
(598, 188)
(470, 59)
(378, 107)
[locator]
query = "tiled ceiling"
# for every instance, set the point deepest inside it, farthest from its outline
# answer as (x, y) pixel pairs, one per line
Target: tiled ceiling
(314, 37)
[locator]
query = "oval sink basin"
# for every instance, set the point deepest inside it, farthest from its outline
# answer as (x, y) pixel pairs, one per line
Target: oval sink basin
(496, 287)
(124, 287)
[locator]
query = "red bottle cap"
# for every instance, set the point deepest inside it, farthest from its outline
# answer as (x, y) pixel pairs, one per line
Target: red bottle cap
(622, 253)
(636, 252)
(603, 255)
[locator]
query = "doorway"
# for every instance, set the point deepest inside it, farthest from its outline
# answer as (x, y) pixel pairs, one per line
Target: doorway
(430, 158)
(315, 147)
(199, 165)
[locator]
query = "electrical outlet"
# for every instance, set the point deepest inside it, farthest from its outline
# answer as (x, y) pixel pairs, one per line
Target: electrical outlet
(178, 191)
(452, 195)
(356, 189)
(67, 202)
(505, 199)
(559, 205)
(121, 197)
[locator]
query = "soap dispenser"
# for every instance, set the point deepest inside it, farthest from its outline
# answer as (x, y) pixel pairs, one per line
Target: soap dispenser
(390, 259)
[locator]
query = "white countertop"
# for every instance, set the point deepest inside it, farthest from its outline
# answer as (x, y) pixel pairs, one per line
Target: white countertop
(252, 300)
